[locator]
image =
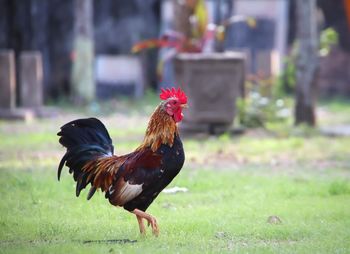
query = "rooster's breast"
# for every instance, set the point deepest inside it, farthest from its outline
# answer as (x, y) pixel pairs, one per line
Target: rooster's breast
(172, 161)
(173, 157)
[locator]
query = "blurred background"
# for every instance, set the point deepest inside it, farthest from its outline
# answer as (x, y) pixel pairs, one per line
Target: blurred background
(266, 134)
(98, 37)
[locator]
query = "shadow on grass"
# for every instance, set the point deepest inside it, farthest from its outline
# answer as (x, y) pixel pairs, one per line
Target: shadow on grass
(119, 241)
(107, 241)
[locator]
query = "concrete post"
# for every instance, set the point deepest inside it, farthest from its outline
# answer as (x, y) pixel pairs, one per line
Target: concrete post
(31, 79)
(7, 79)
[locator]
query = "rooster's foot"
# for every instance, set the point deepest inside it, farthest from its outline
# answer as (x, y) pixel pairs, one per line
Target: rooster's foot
(149, 218)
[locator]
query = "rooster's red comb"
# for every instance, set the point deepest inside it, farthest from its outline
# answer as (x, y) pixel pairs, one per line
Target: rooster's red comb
(173, 92)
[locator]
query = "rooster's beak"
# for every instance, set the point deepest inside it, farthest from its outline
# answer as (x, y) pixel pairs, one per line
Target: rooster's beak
(184, 106)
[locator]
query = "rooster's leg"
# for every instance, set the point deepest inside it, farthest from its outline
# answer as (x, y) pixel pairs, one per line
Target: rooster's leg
(141, 225)
(150, 219)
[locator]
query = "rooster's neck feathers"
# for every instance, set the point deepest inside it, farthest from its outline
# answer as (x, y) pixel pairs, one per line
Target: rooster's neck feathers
(161, 129)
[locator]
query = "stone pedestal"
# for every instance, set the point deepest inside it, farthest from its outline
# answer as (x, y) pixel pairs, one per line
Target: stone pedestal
(31, 79)
(7, 79)
(212, 82)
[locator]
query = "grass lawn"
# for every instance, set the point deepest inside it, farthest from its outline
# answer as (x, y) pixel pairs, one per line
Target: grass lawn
(234, 185)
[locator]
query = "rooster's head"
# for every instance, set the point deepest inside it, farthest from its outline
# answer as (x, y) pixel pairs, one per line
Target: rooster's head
(173, 101)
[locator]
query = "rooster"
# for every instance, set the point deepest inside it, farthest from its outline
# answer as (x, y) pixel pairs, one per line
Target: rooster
(133, 180)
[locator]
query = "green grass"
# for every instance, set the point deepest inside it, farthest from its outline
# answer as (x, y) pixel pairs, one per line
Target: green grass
(234, 185)
(222, 212)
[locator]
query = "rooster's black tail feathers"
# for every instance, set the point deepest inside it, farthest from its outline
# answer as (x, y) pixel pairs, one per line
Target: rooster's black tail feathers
(85, 140)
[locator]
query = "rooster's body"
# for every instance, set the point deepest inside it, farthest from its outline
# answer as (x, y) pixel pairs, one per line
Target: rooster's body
(133, 180)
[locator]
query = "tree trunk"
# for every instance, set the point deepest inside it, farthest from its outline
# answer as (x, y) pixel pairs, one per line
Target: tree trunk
(306, 63)
(83, 84)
